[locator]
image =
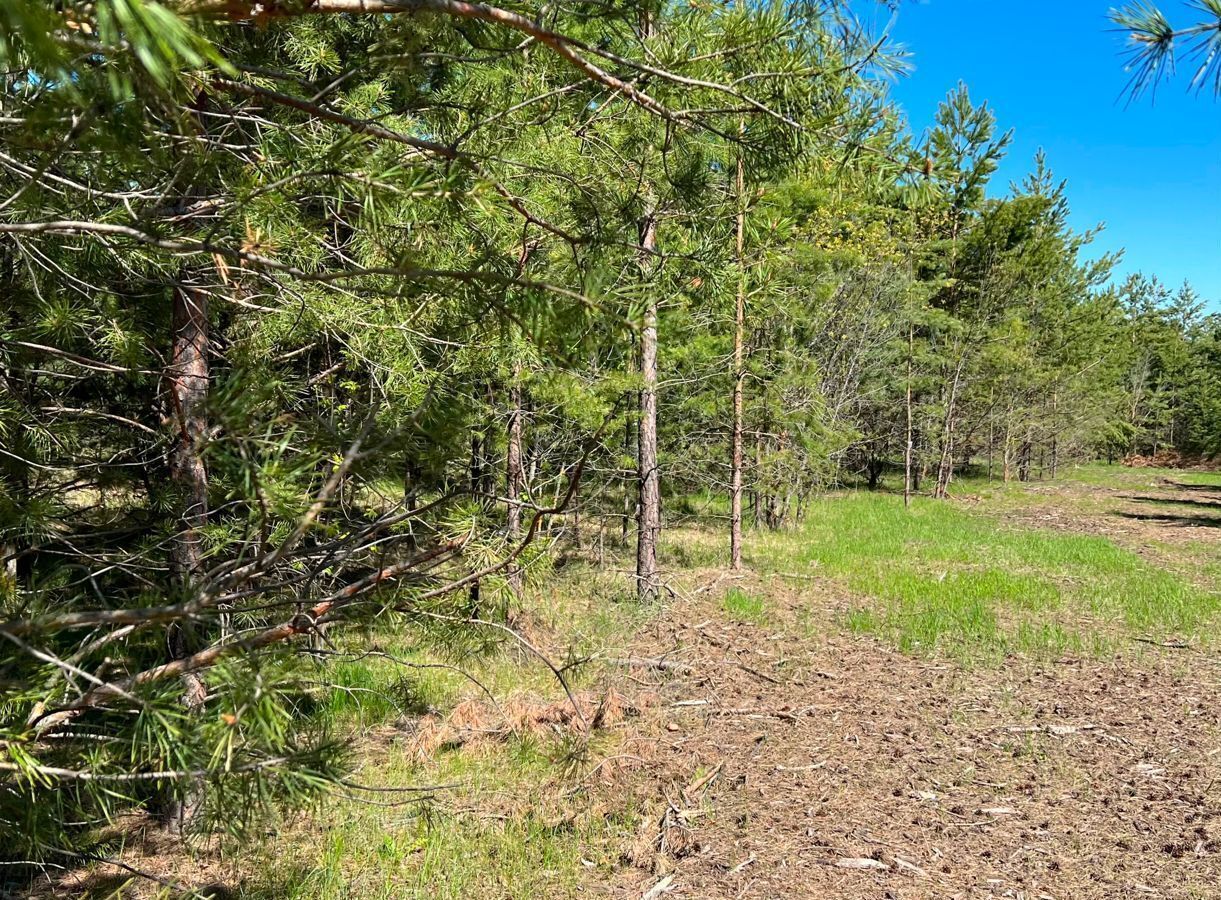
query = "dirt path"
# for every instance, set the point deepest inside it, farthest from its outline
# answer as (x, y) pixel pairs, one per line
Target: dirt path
(829, 766)
(786, 758)
(1157, 516)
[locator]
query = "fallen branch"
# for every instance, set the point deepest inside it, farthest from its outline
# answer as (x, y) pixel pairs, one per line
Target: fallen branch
(661, 664)
(662, 887)
(1169, 645)
(758, 674)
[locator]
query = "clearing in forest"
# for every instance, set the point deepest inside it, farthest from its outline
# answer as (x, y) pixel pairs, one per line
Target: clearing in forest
(1012, 694)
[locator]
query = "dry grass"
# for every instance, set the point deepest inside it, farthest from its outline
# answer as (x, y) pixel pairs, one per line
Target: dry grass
(778, 754)
(1068, 778)
(520, 715)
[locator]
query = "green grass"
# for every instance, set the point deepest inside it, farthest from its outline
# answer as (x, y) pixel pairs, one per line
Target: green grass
(1094, 475)
(938, 579)
(935, 579)
(511, 835)
(585, 609)
(515, 825)
(745, 607)
(1121, 476)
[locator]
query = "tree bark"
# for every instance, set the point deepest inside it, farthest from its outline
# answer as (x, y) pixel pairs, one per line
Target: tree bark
(648, 587)
(739, 330)
(513, 477)
(907, 453)
(187, 384)
(631, 492)
(756, 495)
(945, 467)
(577, 540)
(1055, 444)
(648, 522)
(481, 487)
(873, 471)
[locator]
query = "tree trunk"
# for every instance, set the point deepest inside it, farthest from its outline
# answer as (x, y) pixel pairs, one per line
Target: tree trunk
(775, 509)
(478, 488)
(187, 384)
(945, 467)
(757, 494)
(907, 452)
(1055, 444)
(1007, 447)
(576, 517)
(991, 443)
(739, 329)
(648, 587)
(648, 522)
(513, 477)
(631, 491)
(1024, 459)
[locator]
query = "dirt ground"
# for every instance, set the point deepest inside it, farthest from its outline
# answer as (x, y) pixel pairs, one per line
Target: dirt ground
(847, 770)
(1156, 516)
(830, 766)
(794, 760)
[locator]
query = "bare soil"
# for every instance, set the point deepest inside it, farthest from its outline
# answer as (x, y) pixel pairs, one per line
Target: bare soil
(842, 769)
(789, 759)
(1145, 518)
(800, 761)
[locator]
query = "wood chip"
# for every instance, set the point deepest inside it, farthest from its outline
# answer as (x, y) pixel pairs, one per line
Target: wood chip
(662, 887)
(862, 863)
(1061, 730)
(908, 866)
(700, 783)
(750, 860)
(1148, 770)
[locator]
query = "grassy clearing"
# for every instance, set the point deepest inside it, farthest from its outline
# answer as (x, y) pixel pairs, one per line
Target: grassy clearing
(1123, 477)
(936, 579)
(1180, 533)
(940, 579)
(745, 607)
(512, 822)
(505, 831)
(1078, 481)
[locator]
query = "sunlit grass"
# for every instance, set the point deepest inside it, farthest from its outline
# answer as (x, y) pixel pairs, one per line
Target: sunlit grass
(938, 579)
(512, 820)
(972, 584)
(745, 607)
(512, 835)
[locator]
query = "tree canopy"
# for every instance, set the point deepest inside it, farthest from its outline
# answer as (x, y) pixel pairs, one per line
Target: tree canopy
(323, 318)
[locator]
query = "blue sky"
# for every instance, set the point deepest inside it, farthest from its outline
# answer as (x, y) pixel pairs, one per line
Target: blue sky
(1052, 71)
